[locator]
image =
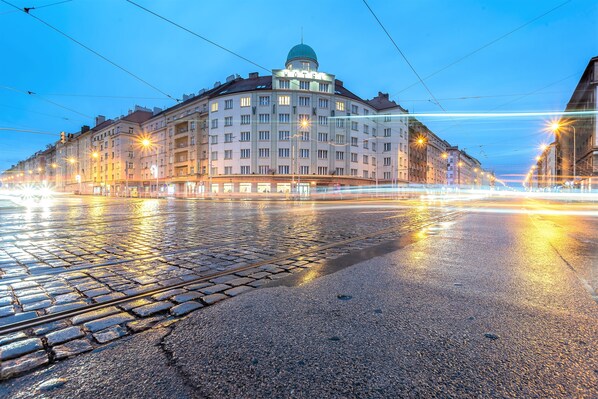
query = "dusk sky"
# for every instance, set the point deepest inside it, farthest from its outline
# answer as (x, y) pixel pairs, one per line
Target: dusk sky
(533, 68)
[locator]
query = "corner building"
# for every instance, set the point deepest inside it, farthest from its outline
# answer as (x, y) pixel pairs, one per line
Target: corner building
(295, 131)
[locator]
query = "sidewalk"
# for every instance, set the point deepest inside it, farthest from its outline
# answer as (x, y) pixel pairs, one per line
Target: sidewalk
(481, 308)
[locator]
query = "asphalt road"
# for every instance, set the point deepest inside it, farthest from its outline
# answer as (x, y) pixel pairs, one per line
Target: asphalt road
(494, 304)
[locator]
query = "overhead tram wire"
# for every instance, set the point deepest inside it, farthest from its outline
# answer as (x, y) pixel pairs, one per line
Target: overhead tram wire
(27, 9)
(10, 129)
(93, 51)
(198, 35)
(486, 45)
(38, 113)
(31, 93)
(403, 55)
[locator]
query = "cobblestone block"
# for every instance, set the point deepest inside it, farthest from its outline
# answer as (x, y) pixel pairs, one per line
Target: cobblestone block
(170, 281)
(271, 269)
(37, 305)
(259, 275)
(24, 284)
(72, 348)
(185, 308)
(97, 292)
(109, 334)
(198, 286)
(67, 298)
(141, 289)
(8, 338)
(167, 294)
(144, 324)
(223, 279)
(279, 276)
(210, 299)
(49, 327)
(59, 290)
(135, 303)
(258, 283)
(245, 273)
(67, 334)
(18, 348)
(95, 314)
(32, 298)
(238, 290)
(109, 297)
(105, 322)
(148, 310)
(240, 281)
(186, 297)
(64, 307)
(17, 317)
(6, 300)
(7, 311)
(215, 288)
(13, 367)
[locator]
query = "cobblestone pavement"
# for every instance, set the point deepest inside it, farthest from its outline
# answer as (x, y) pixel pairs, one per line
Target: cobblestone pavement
(83, 251)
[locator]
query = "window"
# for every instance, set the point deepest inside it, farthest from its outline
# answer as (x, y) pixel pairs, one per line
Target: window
(354, 126)
(264, 152)
(264, 100)
(366, 112)
(214, 156)
(214, 106)
(340, 106)
(284, 100)
(353, 157)
(284, 135)
(387, 132)
(374, 131)
(284, 84)
(322, 170)
(322, 154)
(214, 139)
(228, 154)
(366, 144)
(245, 136)
(228, 170)
(228, 138)
(304, 153)
(354, 141)
(340, 156)
(284, 169)
(264, 135)
(366, 159)
(304, 101)
(374, 147)
(340, 171)
(228, 104)
(340, 123)
(245, 170)
(263, 169)
(303, 120)
(245, 101)
(386, 146)
(387, 118)
(387, 161)
(214, 170)
(284, 152)
(322, 120)
(386, 176)
(304, 84)
(245, 119)
(340, 139)
(214, 123)
(245, 153)
(366, 129)
(304, 136)
(354, 109)
(353, 172)
(324, 87)
(284, 118)
(323, 137)
(374, 161)
(305, 65)
(304, 170)
(228, 121)
(264, 118)
(365, 174)
(323, 103)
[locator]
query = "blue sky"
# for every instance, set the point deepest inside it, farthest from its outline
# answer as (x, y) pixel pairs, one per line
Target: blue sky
(545, 58)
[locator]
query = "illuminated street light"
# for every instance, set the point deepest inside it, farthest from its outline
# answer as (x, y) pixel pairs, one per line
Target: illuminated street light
(556, 127)
(147, 144)
(543, 146)
(71, 161)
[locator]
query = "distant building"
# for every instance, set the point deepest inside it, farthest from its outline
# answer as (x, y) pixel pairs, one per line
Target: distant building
(463, 169)
(582, 132)
(428, 157)
(546, 168)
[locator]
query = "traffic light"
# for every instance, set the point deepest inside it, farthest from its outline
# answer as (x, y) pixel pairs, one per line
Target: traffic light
(62, 137)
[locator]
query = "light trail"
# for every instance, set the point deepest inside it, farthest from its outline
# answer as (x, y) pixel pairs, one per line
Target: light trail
(474, 115)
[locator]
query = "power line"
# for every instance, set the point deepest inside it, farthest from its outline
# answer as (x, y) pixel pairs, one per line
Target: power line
(403, 55)
(103, 96)
(11, 129)
(93, 51)
(31, 93)
(486, 45)
(36, 112)
(198, 35)
(27, 9)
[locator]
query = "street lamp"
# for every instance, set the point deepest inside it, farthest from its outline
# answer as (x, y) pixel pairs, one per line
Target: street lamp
(147, 144)
(556, 127)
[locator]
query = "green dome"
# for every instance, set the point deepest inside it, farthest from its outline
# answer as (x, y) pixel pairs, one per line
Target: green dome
(302, 52)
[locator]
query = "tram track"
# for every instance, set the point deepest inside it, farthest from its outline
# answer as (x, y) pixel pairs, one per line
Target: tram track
(48, 318)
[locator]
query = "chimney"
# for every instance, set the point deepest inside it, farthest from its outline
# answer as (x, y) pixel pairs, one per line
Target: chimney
(100, 119)
(253, 75)
(216, 84)
(383, 95)
(84, 128)
(230, 78)
(157, 110)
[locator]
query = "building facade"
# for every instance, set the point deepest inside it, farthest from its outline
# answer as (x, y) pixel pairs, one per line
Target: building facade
(463, 169)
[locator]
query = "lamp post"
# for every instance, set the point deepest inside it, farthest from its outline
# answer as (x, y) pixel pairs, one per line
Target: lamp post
(147, 143)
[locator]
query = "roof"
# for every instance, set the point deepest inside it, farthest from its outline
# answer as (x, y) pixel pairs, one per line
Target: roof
(302, 52)
(138, 116)
(240, 85)
(342, 91)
